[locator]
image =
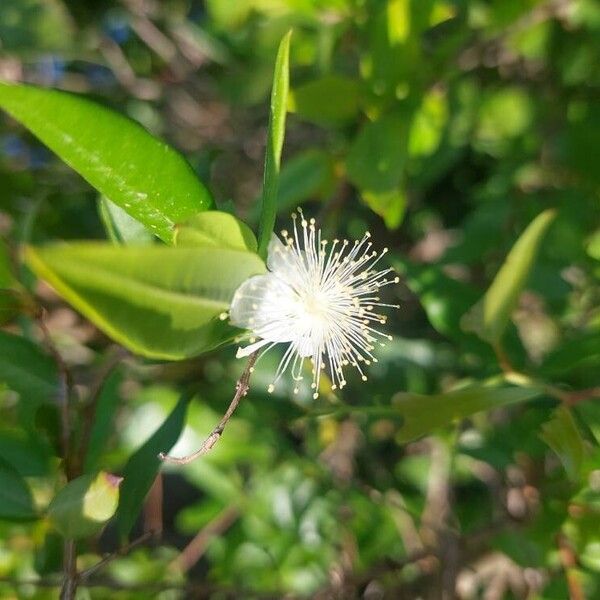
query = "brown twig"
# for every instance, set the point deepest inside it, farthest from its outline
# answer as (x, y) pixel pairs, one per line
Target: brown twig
(70, 579)
(241, 390)
(568, 561)
(194, 551)
(84, 575)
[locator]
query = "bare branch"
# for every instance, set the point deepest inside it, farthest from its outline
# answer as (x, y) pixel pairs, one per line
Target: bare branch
(241, 390)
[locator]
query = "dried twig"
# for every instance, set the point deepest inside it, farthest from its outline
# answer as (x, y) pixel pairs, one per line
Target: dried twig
(194, 551)
(241, 390)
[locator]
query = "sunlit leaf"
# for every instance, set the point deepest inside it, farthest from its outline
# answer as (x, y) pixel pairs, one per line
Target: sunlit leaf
(217, 229)
(157, 301)
(489, 317)
(84, 505)
(120, 226)
(141, 174)
(277, 114)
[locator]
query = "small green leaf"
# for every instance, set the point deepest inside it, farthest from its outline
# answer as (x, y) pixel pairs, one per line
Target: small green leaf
(25, 369)
(16, 501)
(489, 317)
(279, 101)
(332, 99)
(117, 156)
(142, 467)
(157, 301)
(424, 414)
(85, 504)
(562, 435)
(214, 228)
(120, 226)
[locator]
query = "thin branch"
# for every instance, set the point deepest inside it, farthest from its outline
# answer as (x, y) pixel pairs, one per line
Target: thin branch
(241, 390)
(70, 579)
(84, 575)
(568, 560)
(194, 551)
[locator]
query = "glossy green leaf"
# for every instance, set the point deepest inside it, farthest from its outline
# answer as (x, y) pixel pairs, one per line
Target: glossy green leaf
(562, 435)
(332, 99)
(424, 414)
(489, 317)
(276, 134)
(142, 467)
(120, 226)
(28, 371)
(215, 228)
(104, 419)
(85, 504)
(117, 156)
(157, 301)
(16, 501)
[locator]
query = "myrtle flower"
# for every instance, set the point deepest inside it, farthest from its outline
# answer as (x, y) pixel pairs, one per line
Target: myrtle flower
(319, 298)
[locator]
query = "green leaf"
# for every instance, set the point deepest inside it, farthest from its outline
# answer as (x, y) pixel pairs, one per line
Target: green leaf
(104, 418)
(332, 99)
(375, 165)
(12, 303)
(6, 275)
(117, 156)
(276, 134)
(120, 226)
(25, 369)
(390, 206)
(85, 504)
(489, 317)
(217, 229)
(562, 435)
(424, 414)
(16, 501)
(28, 453)
(444, 299)
(157, 301)
(376, 159)
(142, 467)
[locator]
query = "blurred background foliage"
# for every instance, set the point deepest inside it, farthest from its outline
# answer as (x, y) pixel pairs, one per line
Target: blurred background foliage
(444, 127)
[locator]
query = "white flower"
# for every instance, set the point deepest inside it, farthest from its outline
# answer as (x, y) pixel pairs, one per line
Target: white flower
(318, 298)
